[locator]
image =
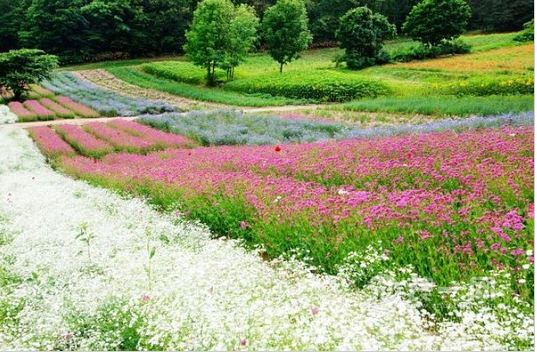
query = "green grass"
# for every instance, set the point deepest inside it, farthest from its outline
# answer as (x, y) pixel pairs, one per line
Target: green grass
(215, 95)
(496, 61)
(445, 105)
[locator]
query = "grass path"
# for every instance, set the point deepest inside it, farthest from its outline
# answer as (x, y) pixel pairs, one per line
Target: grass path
(81, 261)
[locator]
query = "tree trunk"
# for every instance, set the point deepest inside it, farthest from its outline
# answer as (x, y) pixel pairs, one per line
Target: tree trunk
(281, 67)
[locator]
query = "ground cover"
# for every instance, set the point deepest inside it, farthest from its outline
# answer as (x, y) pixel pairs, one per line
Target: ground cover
(43, 105)
(76, 272)
(466, 197)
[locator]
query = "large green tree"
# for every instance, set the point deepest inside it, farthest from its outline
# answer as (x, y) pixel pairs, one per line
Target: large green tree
(434, 21)
(56, 26)
(362, 34)
(285, 30)
(20, 68)
(501, 15)
(221, 35)
(243, 34)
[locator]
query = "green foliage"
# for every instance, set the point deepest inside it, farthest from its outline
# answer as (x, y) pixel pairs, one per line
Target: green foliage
(527, 34)
(285, 30)
(101, 29)
(326, 86)
(11, 12)
(434, 21)
(216, 95)
(481, 86)
(447, 105)
(421, 51)
(243, 35)
(208, 38)
(221, 36)
(361, 34)
(20, 68)
(501, 15)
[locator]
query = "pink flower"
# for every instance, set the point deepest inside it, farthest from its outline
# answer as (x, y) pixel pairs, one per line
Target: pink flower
(518, 251)
(314, 310)
(424, 235)
(243, 342)
(244, 225)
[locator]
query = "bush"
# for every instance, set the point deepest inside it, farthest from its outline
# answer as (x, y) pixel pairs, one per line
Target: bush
(434, 21)
(527, 34)
(361, 34)
(20, 68)
(326, 86)
(421, 52)
(177, 71)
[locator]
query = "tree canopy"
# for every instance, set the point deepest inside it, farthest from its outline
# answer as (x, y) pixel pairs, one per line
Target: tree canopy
(285, 30)
(20, 68)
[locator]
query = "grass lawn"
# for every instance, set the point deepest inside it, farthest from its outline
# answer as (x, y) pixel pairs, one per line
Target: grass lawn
(446, 105)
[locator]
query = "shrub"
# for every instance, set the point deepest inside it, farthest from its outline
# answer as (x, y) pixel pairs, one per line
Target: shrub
(361, 34)
(285, 29)
(421, 51)
(434, 21)
(328, 86)
(527, 34)
(177, 71)
(20, 68)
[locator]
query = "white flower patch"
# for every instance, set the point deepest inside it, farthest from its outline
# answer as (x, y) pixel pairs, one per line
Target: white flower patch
(6, 116)
(99, 272)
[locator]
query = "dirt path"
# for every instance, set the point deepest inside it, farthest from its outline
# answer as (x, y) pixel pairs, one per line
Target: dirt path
(106, 80)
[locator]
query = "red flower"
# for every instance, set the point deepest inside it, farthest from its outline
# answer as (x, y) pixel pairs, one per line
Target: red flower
(278, 148)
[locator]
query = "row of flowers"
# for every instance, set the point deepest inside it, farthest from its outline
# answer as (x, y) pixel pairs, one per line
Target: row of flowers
(106, 102)
(453, 205)
(85, 269)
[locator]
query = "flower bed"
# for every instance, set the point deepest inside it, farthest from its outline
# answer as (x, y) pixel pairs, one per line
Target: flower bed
(104, 101)
(159, 138)
(85, 143)
(77, 108)
(59, 110)
(22, 112)
(42, 112)
(119, 139)
(50, 142)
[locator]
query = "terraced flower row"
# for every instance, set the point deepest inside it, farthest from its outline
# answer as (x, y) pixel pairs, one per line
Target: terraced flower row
(106, 102)
(454, 206)
(97, 139)
(45, 105)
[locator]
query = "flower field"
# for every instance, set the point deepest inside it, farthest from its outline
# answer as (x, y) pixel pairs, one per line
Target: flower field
(449, 207)
(99, 272)
(106, 102)
(44, 105)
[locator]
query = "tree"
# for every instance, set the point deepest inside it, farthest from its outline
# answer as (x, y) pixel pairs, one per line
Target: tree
(435, 21)
(243, 34)
(324, 15)
(362, 34)
(11, 12)
(501, 15)
(285, 29)
(56, 26)
(208, 38)
(20, 68)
